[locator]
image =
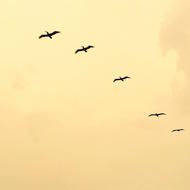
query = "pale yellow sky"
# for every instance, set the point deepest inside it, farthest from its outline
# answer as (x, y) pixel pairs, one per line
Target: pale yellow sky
(65, 125)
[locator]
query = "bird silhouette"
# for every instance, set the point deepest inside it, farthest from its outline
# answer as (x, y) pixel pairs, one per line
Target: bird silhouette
(49, 35)
(84, 49)
(156, 114)
(178, 130)
(121, 78)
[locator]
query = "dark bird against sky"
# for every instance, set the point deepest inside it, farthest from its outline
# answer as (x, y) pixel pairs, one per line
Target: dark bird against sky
(156, 114)
(49, 35)
(84, 49)
(178, 130)
(121, 78)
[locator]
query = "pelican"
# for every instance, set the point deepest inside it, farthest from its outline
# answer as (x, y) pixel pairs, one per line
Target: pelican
(49, 34)
(156, 114)
(84, 49)
(178, 130)
(121, 78)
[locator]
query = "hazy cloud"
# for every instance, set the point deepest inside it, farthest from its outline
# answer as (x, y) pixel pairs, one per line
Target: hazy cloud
(175, 35)
(21, 76)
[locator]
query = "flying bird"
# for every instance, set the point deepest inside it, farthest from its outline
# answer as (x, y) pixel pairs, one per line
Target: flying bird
(178, 130)
(84, 49)
(156, 114)
(49, 34)
(121, 78)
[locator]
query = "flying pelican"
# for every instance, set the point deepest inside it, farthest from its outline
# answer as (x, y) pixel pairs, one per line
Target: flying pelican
(121, 78)
(157, 114)
(84, 49)
(177, 130)
(49, 34)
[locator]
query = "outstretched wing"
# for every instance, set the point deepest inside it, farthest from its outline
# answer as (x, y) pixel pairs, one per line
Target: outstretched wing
(88, 47)
(173, 130)
(152, 115)
(43, 35)
(55, 32)
(78, 50)
(126, 77)
(161, 114)
(115, 80)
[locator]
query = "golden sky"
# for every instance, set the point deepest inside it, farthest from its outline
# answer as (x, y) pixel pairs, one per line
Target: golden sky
(65, 124)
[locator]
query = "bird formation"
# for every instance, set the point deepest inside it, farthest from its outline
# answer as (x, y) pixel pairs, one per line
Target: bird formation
(85, 49)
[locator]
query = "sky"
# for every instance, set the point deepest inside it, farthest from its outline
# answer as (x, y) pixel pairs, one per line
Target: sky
(65, 124)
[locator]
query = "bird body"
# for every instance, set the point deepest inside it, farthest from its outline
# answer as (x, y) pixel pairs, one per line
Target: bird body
(84, 49)
(49, 34)
(121, 78)
(178, 130)
(156, 114)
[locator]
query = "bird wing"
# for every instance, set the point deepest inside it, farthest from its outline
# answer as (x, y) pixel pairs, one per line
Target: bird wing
(43, 35)
(55, 32)
(78, 50)
(174, 130)
(88, 47)
(126, 77)
(152, 115)
(115, 80)
(161, 114)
